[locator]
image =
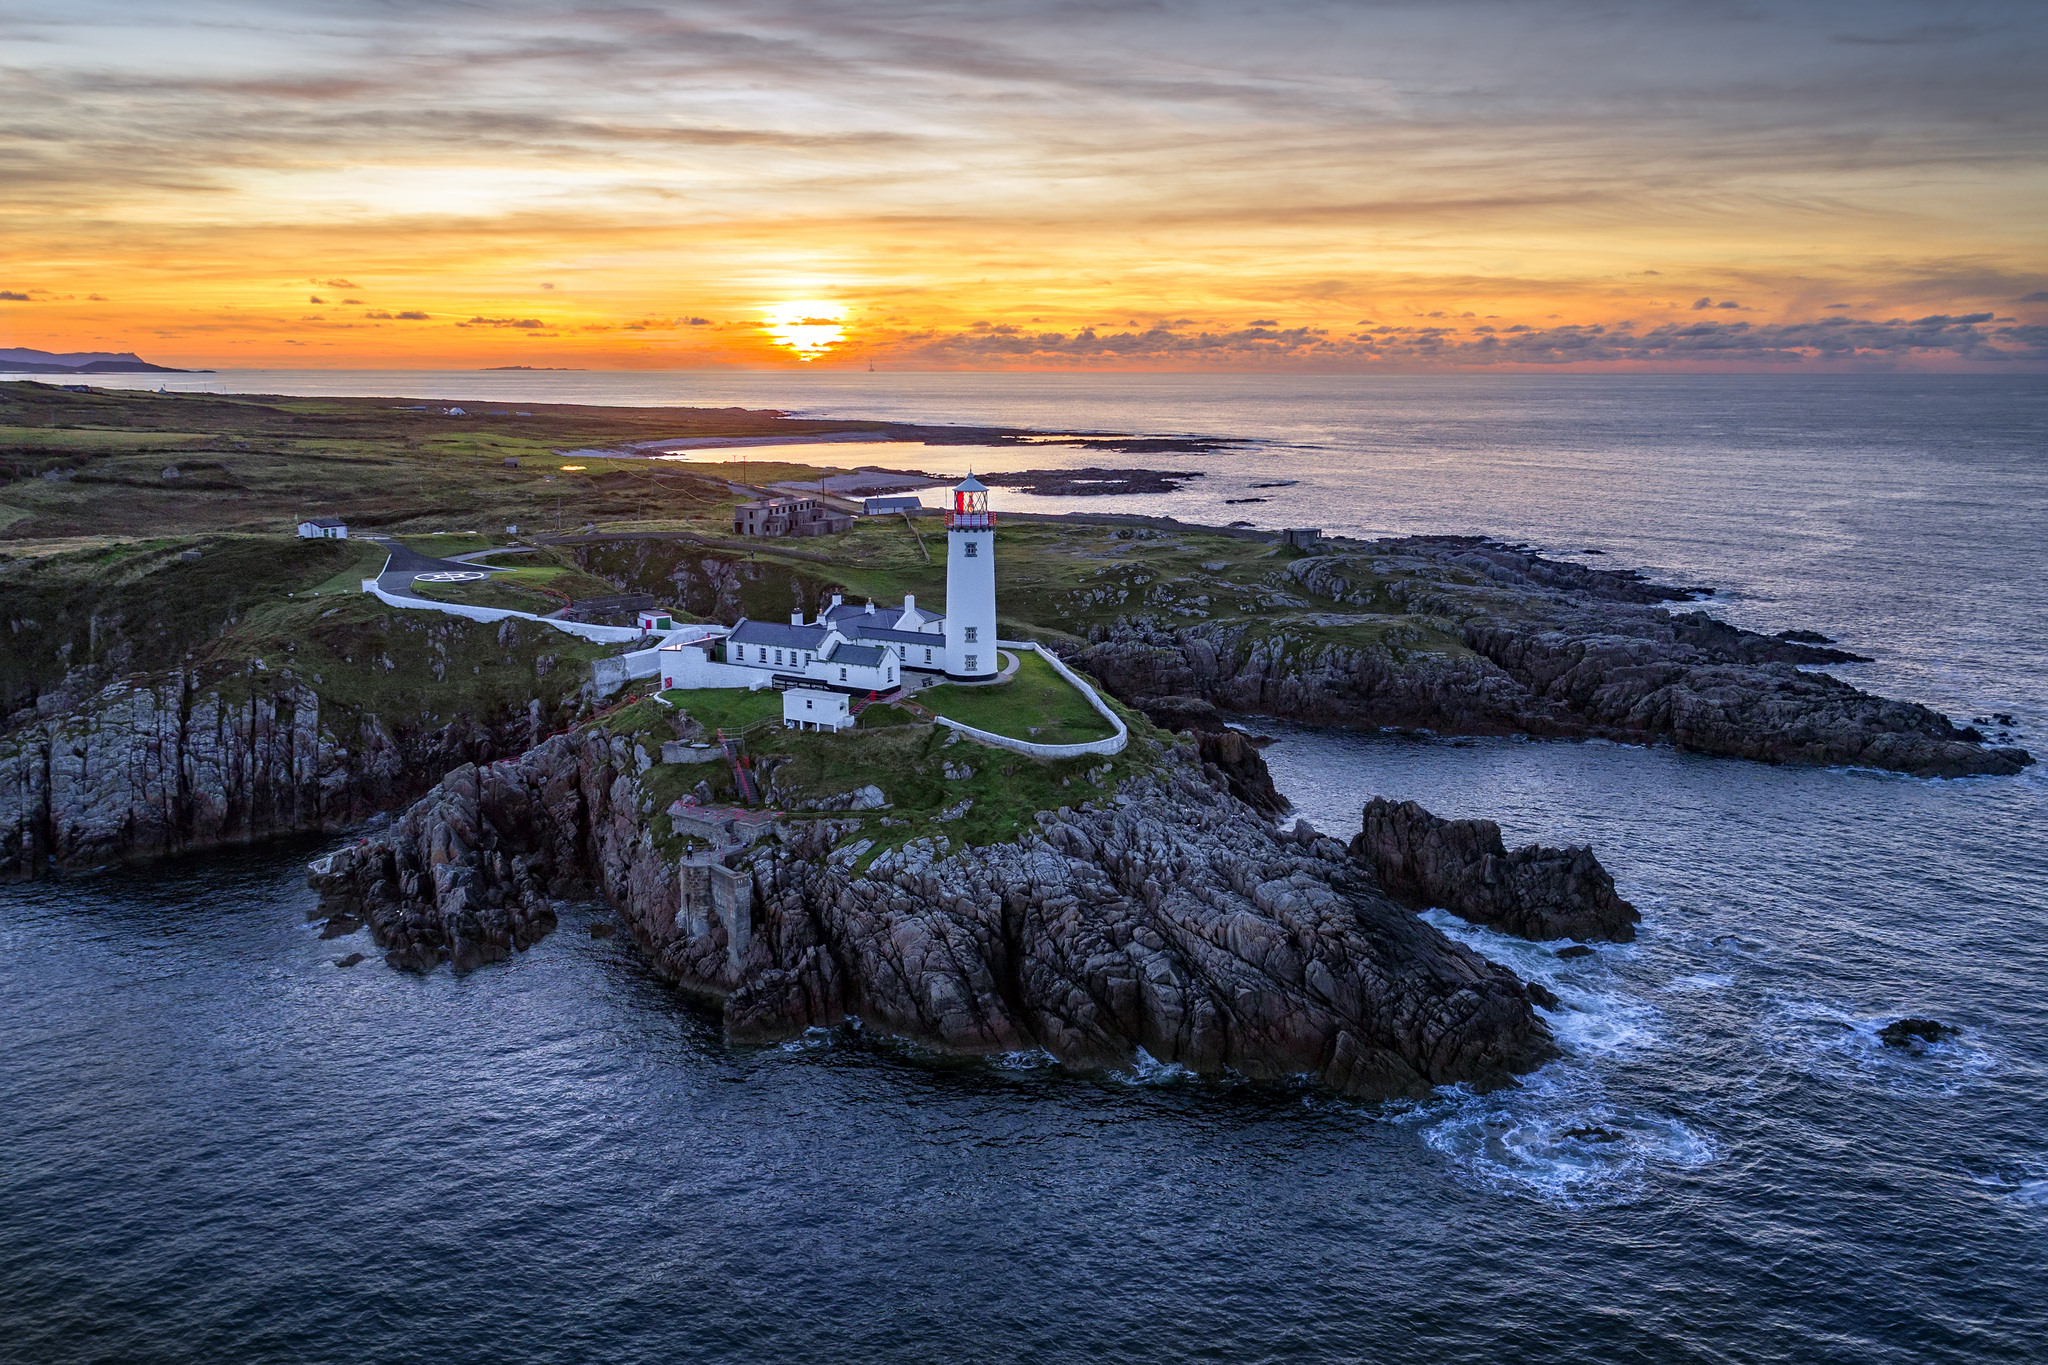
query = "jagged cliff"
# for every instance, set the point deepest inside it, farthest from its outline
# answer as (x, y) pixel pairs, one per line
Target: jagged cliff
(1423, 860)
(1465, 636)
(1171, 918)
(168, 697)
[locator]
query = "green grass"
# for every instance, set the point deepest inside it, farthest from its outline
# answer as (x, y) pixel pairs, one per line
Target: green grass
(1037, 705)
(369, 559)
(728, 708)
(450, 543)
(491, 593)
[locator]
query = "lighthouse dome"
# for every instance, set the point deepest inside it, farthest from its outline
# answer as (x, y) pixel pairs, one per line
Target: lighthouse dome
(970, 484)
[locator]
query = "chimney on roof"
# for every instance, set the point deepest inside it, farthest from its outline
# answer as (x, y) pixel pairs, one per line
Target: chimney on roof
(796, 618)
(837, 598)
(909, 603)
(871, 606)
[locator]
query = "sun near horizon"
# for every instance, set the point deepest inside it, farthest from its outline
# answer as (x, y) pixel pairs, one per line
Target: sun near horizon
(1315, 186)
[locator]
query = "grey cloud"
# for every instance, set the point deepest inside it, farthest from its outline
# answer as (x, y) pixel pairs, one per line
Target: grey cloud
(1832, 339)
(480, 321)
(2038, 296)
(11, 296)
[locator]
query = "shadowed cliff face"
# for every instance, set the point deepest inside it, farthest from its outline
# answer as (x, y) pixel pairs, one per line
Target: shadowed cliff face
(1176, 921)
(1422, 860)
(1526, 645)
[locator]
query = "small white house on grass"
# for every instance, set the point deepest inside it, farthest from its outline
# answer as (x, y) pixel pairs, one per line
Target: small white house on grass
(804, 708)
(323, 530)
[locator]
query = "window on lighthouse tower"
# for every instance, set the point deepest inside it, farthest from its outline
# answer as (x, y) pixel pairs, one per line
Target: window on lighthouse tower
(972, 549)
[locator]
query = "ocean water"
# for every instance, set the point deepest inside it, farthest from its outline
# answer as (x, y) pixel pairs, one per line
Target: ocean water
(221, 1146)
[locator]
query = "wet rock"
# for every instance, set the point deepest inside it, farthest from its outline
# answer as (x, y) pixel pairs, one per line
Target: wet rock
(1574, 950)
(1907, 1032)
(1542, 996)
(603, 930)
(339, 925)
(1423, 860)
(1592, 1133)
(351, 960)
(1181, 923)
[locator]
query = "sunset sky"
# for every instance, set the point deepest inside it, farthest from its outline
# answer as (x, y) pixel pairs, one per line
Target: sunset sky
(1054, 185)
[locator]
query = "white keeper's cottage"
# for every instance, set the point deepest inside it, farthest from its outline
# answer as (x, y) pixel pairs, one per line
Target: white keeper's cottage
(863, 648)
(323, 530)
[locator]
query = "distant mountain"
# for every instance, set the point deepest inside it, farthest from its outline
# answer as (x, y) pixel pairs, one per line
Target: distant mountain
(20, 360)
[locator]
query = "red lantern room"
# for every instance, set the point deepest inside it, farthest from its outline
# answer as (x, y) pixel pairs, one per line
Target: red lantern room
(970, 507)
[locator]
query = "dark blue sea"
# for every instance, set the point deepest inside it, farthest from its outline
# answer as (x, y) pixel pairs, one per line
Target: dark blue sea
(215, 1145)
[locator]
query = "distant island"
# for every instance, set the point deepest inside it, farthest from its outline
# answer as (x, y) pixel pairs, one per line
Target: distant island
(547, 369)
(22, 360)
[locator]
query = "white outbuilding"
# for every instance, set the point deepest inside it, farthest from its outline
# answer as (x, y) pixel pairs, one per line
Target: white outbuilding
(323, 530)
(804, 708)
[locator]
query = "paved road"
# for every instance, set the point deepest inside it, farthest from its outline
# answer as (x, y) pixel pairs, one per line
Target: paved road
(407, 564)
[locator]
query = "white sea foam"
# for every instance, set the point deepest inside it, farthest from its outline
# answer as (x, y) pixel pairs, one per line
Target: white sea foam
(1700, 981)
(1149, 1070)
(1594, 1017)
(1837, 1043)
(1554, 1141)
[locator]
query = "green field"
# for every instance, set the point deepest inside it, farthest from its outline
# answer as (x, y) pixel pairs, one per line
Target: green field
(729, 708)
(1037, 705)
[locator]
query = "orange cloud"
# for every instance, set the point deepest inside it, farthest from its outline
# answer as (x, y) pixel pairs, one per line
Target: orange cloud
(772, 184)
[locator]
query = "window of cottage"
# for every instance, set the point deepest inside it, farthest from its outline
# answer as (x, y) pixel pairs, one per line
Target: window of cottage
(842, 674)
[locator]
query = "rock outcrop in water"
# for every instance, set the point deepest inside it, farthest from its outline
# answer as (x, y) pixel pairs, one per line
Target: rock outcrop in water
(1423, 860)
(1176, 921)
(1478, 638)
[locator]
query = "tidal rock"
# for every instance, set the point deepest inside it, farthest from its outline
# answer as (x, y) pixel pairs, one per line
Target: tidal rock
(351, 960)
(1177, 921)
(603, 930)
(1423, 860)
(1907, 1032)
(1574, 950)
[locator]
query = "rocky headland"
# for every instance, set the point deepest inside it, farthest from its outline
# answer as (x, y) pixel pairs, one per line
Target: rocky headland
(1466, 636)
(1168, 918)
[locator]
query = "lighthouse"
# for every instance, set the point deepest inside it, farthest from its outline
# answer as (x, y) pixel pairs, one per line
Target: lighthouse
(970, 583)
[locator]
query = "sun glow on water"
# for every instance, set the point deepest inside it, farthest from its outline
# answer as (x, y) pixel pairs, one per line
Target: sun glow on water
(809, 327)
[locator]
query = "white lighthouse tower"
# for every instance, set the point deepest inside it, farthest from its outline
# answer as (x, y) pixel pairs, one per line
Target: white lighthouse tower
(970, 583)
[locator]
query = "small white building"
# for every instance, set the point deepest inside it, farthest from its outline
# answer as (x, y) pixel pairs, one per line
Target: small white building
(657, 621)
(867, 647)
(323, 530)
(805, 708)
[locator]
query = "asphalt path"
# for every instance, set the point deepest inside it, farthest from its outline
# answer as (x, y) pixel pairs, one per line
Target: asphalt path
(407, 564)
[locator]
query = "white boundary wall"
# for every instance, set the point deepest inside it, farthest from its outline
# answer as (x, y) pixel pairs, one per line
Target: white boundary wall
(1112, 745)
(604, 635)
(693, 671)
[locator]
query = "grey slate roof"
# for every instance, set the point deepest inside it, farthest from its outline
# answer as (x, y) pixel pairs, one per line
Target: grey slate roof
(777, 634)
(867, 656)
(930, 639)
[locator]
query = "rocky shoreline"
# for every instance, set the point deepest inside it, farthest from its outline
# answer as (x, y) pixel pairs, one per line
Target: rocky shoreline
(1530, 646)
(1173, 919)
